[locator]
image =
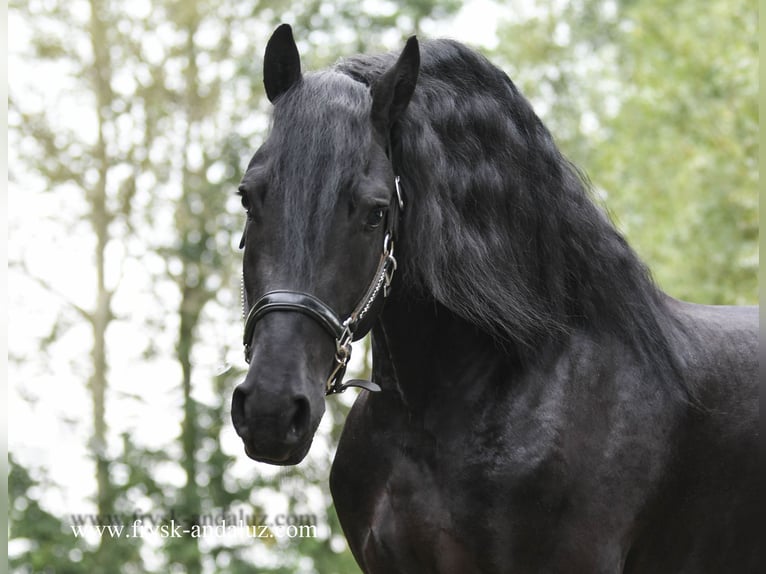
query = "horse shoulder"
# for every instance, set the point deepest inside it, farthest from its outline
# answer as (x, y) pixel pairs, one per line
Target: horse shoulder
(720, 351)
(703, 517)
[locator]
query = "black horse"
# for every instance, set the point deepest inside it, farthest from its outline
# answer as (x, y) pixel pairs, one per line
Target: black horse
(543, 406)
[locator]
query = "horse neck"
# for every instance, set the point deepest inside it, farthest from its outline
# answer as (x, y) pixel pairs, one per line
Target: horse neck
(429, 355)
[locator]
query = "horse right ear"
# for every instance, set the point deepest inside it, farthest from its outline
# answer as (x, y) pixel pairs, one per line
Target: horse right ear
(281, 63)
(391, 93)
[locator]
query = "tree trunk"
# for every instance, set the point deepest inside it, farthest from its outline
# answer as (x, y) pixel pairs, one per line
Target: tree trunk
(99, 219)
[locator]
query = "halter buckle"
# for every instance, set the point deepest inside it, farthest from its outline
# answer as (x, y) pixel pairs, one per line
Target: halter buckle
(334, 383)
(389, 273)
(342, 356)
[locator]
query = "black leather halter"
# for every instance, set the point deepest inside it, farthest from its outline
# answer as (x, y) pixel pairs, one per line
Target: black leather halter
(356, 325)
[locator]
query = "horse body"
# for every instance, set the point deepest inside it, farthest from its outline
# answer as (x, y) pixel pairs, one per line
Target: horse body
(544, 406)
(585, 462)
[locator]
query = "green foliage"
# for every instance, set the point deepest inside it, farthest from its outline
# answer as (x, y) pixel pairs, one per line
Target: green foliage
(658, 103)
(32, 525)
(49, 544)
(684, 147)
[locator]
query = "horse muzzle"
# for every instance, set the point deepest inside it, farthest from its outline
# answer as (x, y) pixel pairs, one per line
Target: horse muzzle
(280, 434)
(277, 408)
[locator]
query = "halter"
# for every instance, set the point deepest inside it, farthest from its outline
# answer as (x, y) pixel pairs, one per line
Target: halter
(353, 327)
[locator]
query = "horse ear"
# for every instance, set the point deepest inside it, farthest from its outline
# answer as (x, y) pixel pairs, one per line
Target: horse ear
(281, 63)
(391, 93)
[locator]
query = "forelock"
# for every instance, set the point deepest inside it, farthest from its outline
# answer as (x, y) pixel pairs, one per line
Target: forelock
(319, 143)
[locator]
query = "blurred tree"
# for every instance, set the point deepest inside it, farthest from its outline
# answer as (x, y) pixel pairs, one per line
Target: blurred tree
(93, 164)
(46, 540)
(326, 31)
(683, 150)
(658, 102)
(200, 245)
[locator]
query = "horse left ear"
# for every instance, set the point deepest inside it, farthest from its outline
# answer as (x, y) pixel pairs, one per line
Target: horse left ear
(281, 63)
(392, 92)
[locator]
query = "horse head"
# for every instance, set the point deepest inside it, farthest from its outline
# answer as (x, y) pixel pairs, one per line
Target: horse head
(322, 205)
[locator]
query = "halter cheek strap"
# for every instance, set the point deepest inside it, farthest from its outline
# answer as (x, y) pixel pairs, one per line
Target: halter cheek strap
(355, 326)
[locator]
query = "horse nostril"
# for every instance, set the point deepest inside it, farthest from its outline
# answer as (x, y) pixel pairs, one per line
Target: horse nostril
(238, 417)
(300, 420)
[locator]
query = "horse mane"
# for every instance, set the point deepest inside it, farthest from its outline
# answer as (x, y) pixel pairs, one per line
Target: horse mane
(500, 227)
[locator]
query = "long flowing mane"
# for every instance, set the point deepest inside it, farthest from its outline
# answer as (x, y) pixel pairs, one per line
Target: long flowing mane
(502, 230)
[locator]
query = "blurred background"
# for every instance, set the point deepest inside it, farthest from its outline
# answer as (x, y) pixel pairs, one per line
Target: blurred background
(130, 124)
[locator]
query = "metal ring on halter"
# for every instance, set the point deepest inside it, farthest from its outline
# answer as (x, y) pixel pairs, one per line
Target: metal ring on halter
(399, 196)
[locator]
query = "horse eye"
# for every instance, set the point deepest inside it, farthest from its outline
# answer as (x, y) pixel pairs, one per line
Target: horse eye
(246, 205)
(242, 192)
(375, 217)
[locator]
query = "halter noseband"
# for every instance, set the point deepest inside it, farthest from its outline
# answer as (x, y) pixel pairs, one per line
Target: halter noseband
(355, 326)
